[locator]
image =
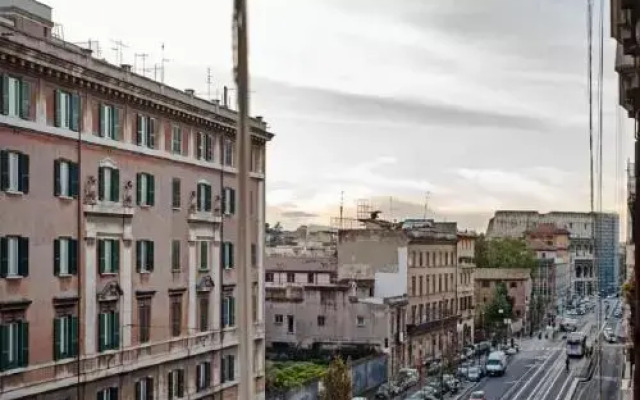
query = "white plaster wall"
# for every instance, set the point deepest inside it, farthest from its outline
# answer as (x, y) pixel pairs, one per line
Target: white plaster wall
(389, 284)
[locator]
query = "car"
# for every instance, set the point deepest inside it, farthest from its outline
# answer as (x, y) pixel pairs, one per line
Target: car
(478, 395)
(511, 351)
(474, 374)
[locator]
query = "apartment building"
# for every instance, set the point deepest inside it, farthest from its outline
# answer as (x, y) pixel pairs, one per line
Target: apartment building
(117, 230)
(465, 286)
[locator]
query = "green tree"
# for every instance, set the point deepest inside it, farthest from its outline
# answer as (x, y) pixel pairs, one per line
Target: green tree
(493, 317)
(337, 381)
(504, 253)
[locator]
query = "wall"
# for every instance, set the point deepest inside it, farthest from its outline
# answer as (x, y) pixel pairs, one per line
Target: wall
(362, 253)
(390, 284)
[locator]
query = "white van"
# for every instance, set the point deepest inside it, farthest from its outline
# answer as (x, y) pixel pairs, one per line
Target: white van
(496, 364)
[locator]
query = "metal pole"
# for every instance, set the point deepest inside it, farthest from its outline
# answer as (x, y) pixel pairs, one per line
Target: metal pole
(246, 387)
(636, 252)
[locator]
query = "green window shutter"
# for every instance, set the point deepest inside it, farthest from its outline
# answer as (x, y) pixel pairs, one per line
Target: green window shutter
(73, 180)
(231, 255)
(115, 123)
(232, 201)
(170, 390)
(225, 255)
(175, 200)
(232, 311)
(23, 166)
(203, 255)
(74, 124)
(23, 256)
(151, 131)
(198, 197)
(138, 188)
(139, 130)
(101, 257)
(115, 255)
(102, 339)
(113, 393)
(116, 330)
(4, 347)
(4, 170)
(225, 200)
(57, 117)
(138, 255)
(56, 338)
(4, 82)
(199, 145)
(103, 120)
(101, 192)
(25, 99)
(138, 389)
(207, 198)
(23, 343)
(115, 185)
(149, 389)
(151, 190)
(150, 255)
(56, 177)
(56, 257)
(73, 256)
(180, 383)
(208, 147)
(73, 335)
(4, 257)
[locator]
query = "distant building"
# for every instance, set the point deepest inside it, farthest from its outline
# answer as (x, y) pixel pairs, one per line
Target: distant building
(466, 276)
(519, 286)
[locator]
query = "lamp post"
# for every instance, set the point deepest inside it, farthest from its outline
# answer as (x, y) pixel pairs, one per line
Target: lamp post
(501, 312)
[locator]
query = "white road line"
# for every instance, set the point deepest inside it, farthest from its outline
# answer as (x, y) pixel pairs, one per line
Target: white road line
(572, 389)
(558, 374)
(539, 371)
(554, 369)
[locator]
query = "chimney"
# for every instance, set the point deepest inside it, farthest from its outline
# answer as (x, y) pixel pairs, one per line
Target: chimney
(87, 52)
(225, 97)
(190, 92)
(259, 118)
(126, 67)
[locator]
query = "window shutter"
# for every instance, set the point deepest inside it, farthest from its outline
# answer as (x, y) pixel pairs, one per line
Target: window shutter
(57, 117)
(73, 180)
(225, 311)
(232, 311)
(225, 200)
(151, 190)
(138, 255)
(139, 390)
(23, 166)
(56, 338)
(56, 257)
(4, 347)
(180, 383)
(170, 390)
(199, 145)
(115, 255)
(139, 131)
(231, 258)
(4, 257)
(151, 131)
(23, 344)
(102, 339)
(199, 196)
(115, 123)
(223, 366)
(4, 82)
(138, 189)
(113, 393)
(209, 147)
(25, 99)
(101, 257)
(203, 255)
(175, 255)
(175, 200)
(232, 367)
(74, 124)
(232, 201)
(103, 121)
(4, 170)
(149, 389)
(207, 198)
(73, 256)
(73, 350)
(115, 185)
(101, 192)
(23, 254)
(56, 177)
(150, 255)
(116, 330)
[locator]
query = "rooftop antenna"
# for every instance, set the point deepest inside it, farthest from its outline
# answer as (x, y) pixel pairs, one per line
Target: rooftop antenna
(162, 62)
(426, 204)
(391, 208)
(209, 83)
(92, 45)
(143, 57)
(341, 207)
(118, 45)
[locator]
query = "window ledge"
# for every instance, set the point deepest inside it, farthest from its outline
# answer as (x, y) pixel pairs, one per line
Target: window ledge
(145, 206)
(66, 198)
(144, 272)
(14, 192)
(64, 276)
(13, 277)
(204, 269)
(175, 208)
(108, 274)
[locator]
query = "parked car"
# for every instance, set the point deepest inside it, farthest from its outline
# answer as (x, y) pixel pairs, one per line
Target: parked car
(511, 351)
(478, 395)
(474, 374)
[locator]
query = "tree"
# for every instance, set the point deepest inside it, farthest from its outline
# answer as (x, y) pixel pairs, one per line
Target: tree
(493, 317)
(504, 253)
(337, 381)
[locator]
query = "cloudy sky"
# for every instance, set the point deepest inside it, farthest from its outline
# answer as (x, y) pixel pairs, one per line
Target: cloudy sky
(481, 103)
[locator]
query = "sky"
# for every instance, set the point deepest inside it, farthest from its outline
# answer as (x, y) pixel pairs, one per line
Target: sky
(464, 106)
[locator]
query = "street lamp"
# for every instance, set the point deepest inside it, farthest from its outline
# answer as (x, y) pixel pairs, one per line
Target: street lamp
(501, 311)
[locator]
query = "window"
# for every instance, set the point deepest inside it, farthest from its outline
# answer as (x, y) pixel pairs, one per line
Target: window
(278, 319)
(110, 393)
(108, 331)
(16, 97)
(420, 285)
(360, 320)
(176, 315)
(14, 345)
(254, 255)
(204, 146)
(144, 255)
(175, 387)
(14, 170)
(176, 140)
(310, 277)
(228, 370)
(203, 197)
(228, 148)
(175, 193)
(145, 131)
(290, 324)
(67, 114)
(203, 262)
(413, 285)
(144, 320)
(486, 284)
(65, 178)
(227, 255)
(65, 337)
(228, 201)
(228, 310)
(109, 122)
(144, 389)
(108, 184)
(320, 320)
(291, 277)
(268, 277)
(14, 256)
(175, 255)
(513, 285)
(108, 256)
(65, 256)
(204, 313)
(145, 189)
(203, 376)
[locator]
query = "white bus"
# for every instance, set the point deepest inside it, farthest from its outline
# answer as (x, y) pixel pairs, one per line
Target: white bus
(576, 344)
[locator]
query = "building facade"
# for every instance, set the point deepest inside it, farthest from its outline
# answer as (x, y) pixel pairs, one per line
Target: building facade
(105, 175)
(607, 252)
(465, 286)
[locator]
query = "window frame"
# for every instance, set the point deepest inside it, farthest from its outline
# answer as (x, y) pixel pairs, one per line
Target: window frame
(176, 140)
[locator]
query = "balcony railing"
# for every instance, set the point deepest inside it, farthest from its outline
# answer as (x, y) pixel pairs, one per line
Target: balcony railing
(433, 325)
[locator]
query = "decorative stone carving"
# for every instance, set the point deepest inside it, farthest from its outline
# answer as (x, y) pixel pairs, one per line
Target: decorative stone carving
(205, 284)
(90, 191)
(110, 292)
(193, 202)
(127, 200)
(354, 289)
(217, 204)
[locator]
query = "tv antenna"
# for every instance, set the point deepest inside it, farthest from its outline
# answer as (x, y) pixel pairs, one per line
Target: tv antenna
(162, 63)
(209, 83)
(118, 46)
(426, 203)
(143, 57)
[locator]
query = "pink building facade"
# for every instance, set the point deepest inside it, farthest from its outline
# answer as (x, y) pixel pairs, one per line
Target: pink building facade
(117, 228)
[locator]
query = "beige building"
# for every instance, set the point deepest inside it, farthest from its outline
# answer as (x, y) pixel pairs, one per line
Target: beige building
(465, 286)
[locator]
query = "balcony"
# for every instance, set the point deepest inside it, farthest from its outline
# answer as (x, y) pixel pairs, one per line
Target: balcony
(288, 294)
(433, 325)
(205, 217)
(109, 209)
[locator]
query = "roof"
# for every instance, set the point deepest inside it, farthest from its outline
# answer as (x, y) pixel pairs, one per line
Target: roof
(310, 264)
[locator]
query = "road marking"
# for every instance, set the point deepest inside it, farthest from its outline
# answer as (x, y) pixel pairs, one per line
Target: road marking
(526, 382)
(571, 391)
(554, 370)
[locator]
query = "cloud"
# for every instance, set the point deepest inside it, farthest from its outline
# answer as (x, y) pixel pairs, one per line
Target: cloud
(503, 182)
(298, 215)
